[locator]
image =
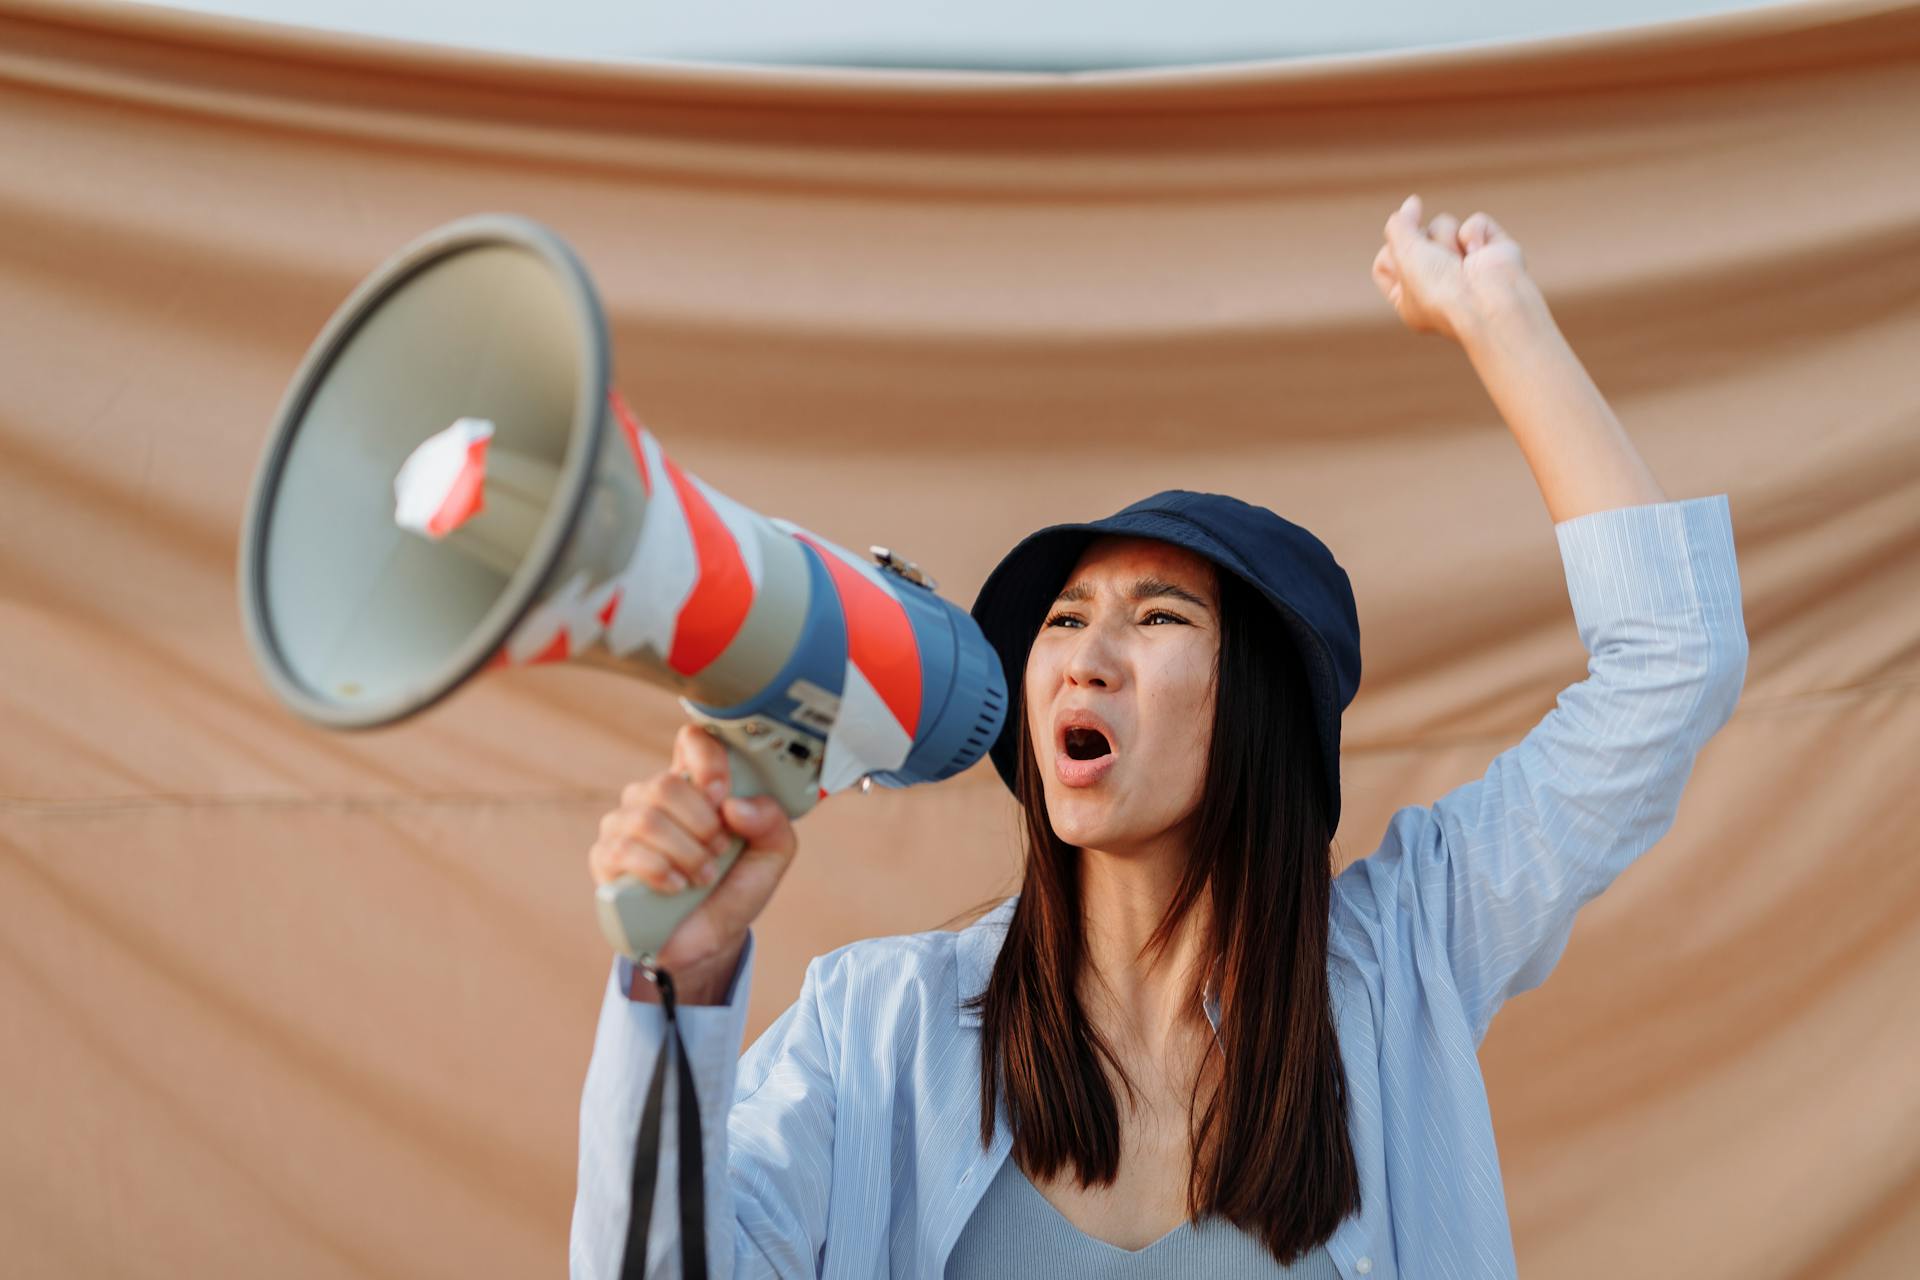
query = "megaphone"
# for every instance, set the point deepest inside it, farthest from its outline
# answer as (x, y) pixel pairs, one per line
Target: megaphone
(453, 484)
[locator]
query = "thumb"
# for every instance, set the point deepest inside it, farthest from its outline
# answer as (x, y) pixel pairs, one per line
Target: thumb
(762, 821)
(1416, 252)
(1403, 227)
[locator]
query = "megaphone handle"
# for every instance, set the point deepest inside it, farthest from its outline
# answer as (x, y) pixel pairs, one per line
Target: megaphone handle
(637, 919)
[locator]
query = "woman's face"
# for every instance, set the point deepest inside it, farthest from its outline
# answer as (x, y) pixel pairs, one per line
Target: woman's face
(1130, 644)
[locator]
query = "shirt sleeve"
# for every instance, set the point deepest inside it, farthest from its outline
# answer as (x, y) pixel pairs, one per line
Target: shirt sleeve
(1497, 868)
(766, 1127)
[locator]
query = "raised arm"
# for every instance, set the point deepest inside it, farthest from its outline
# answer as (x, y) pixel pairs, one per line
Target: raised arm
(1495, 870)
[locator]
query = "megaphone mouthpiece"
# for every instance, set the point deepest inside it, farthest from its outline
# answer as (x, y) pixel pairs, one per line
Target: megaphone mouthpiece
(442, 483)
(486, 502)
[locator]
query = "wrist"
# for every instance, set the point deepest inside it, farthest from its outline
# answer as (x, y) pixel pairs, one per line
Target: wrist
(705, 983)
(1507, 319)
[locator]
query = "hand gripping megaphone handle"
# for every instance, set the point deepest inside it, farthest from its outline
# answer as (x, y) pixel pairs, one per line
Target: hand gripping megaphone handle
(637, 919)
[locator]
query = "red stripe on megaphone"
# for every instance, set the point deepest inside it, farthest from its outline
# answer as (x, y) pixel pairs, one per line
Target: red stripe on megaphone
(558, 649)
(715, 611)
(880, 639)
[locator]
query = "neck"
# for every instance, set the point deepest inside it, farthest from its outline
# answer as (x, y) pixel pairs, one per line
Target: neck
(1146, 1000)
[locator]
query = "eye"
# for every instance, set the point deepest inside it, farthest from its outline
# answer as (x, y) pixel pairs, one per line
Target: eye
(1058, 618)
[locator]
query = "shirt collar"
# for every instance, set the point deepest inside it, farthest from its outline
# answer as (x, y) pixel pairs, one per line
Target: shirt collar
(975, 948)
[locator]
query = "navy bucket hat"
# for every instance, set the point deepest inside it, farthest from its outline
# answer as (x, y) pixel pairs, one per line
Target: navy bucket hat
(1285, 563)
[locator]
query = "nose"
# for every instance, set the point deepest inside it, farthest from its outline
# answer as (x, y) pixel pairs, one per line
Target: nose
(1093, 662)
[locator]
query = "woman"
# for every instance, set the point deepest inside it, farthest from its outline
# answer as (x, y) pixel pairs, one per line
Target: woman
(1185, 1046)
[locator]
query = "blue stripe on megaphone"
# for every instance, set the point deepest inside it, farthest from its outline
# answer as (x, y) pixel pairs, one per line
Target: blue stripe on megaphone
(963, 696)
(963, 693)
(819, 658)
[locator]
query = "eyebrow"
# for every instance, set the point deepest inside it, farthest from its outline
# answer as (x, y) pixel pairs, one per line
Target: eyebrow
(1146, 588)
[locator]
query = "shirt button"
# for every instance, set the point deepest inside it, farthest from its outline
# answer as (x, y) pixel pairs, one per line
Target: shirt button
(966, 1177)
(1363, 1266)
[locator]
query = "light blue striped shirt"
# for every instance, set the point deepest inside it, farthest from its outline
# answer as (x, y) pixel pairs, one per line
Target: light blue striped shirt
(845, 1141)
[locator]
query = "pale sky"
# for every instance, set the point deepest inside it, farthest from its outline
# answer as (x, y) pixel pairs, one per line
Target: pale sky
(1054, 35)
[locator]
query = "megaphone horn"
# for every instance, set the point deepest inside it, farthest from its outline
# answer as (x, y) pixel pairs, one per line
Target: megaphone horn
(453, 484)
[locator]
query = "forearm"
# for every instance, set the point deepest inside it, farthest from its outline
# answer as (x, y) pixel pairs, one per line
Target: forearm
(1580, 455)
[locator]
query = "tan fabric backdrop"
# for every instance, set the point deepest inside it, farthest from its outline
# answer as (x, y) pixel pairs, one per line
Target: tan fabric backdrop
(315, 1005)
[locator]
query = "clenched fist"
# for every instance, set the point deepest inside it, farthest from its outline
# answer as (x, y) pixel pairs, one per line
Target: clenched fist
(669, 832)
(1448, 276)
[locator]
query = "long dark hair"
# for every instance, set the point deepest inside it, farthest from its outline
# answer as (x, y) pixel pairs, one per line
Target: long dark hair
(1270, 1151)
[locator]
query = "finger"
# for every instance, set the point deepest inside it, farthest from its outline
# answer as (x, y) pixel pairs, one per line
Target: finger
(763, 822)
(736, 901)
(676, 793)
(1444, 231)
(600, 863)
(1473, 232)
(654, 829)
(1386, 272)
(649, 867)
(699, 753)
(611, 859)
(1403, 224)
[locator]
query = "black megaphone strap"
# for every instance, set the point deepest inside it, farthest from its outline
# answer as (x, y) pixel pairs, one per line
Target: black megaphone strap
(646, 1155)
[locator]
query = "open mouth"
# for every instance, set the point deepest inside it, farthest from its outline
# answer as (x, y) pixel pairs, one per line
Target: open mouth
(1086, 744)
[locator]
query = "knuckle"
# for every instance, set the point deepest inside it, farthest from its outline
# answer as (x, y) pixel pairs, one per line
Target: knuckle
(672, 848)
(696, 745)
(632, 824)
(661, 874)
(651, 823)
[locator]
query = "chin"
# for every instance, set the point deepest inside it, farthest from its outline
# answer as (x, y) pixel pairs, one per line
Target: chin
(1071, 826)
(1076, 822)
